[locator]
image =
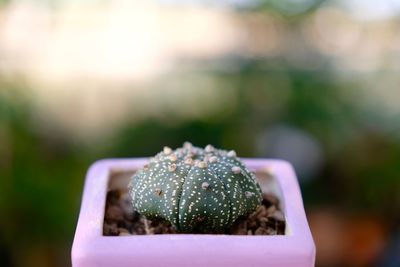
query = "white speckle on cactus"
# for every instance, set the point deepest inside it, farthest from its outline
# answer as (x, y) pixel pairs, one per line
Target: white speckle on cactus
(231, 154)
(172, 158)
(209, 148)
(202, 164)
(248, 194)
(236, 169)
(205, 185)
(189, 161)
(167, 150)
(187, 145)
(172, 167)
(213, 159)
(157, 191)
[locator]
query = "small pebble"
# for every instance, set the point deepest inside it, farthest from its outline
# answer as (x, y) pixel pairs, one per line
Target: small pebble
(124, 234)
(270, 231)
(260, 231)
(110, 229)
(271, 209)
(271, 198)
(278, 215)
(263, 219)
(123, 230)
(114, 213)
(125, 204)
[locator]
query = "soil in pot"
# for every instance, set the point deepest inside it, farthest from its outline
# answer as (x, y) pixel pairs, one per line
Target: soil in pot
(121, 220)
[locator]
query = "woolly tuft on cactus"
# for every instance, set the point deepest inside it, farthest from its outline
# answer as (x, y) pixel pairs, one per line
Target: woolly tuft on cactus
(196, 190)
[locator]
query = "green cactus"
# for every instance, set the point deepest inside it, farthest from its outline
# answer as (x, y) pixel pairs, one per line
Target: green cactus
(196, 190)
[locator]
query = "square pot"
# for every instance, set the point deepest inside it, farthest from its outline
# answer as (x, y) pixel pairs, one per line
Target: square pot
(90, 248)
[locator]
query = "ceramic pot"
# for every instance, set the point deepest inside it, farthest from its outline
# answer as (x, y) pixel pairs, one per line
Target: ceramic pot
(90, 248)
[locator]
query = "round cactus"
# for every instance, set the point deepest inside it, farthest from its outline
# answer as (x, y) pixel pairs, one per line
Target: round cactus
(195, 189)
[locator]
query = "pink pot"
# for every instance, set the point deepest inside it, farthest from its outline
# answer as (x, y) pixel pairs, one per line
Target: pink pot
(90, 248)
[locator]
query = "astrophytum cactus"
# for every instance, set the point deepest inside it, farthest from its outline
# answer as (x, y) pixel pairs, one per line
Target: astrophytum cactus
(196, 190)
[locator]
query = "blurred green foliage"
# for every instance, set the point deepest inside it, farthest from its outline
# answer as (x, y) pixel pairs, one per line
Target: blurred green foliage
(43, 170)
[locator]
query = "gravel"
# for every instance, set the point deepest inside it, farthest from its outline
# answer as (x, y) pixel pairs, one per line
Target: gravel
(121, 220)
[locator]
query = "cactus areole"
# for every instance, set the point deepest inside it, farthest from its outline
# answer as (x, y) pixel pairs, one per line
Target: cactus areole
(196, 190)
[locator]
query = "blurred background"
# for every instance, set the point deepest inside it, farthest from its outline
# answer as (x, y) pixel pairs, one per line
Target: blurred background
(310, 81)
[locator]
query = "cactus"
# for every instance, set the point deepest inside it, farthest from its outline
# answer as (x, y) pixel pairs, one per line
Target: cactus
(196, 190)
